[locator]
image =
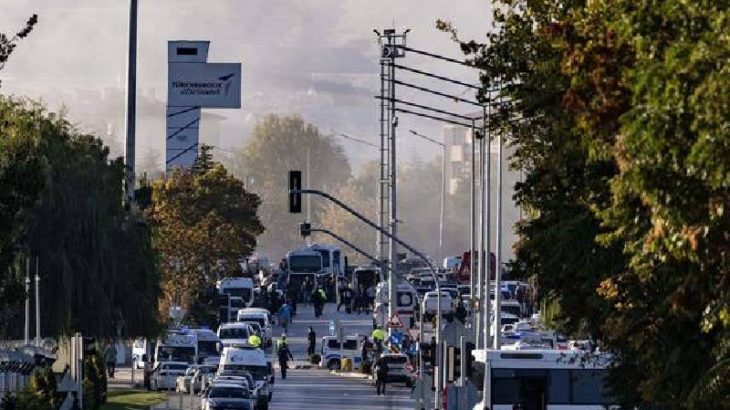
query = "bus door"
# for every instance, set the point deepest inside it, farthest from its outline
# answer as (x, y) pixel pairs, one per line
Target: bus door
(533, 393)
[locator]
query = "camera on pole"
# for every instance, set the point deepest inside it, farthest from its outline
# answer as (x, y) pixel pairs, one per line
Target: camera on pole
(295, 195)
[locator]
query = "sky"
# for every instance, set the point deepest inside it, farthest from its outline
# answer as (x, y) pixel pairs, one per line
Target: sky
(317, 58)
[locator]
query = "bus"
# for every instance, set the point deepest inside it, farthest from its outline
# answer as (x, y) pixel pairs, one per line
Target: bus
(333, 259)
(301, 264)
(545, 380)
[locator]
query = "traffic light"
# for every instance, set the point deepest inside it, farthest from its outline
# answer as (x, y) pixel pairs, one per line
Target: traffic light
(305, 229)
(295, 196)
(469, 359)
(454, 363)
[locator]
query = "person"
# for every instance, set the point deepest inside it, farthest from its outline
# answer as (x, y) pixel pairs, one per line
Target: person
(254, 340)
(285, 314)
(307, 288)
(461, 313)
(432, 349)
(110, 354)
(282, 342)
(317, 303)
(370, 292)
(358, 301)
(312, 339)
(341, 293)
(284, 356)
(381, 375)
(365, 350)
(292, 294)
(347, 299)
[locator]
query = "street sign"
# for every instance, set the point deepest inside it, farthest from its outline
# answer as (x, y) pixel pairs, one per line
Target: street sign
(395, 321)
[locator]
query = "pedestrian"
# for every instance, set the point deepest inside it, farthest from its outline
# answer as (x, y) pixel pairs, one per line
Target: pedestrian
(254, 340)
(110, 354)
(285, 315)
(341, 293)
(347, 299)
(461, 313)
(365, 350)
(292, 294)
(370, 292)
(381, 375)
(284, 356)
(307, 288)
(316, 303)
(312, 340)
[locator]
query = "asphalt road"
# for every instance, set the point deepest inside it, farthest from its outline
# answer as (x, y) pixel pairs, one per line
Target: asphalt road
(310, 388)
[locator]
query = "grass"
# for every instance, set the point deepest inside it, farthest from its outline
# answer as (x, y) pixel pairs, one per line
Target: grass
(132, 400)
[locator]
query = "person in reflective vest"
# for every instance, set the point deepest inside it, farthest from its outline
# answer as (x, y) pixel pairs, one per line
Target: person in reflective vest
(254, 340)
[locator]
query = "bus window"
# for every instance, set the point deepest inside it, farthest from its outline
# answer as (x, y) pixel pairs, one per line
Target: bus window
(336, 262)
(589, 387)
(505, 391)
(559, 387)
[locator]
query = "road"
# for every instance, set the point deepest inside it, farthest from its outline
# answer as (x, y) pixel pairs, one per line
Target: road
(311, 388)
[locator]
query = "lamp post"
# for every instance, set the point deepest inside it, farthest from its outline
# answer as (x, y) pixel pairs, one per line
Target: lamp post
(442, 202)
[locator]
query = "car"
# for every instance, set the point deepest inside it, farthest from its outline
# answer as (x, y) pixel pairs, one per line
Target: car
(205, 374)
(430, 302)
(229, 396)
(164, 376)
(399, 368)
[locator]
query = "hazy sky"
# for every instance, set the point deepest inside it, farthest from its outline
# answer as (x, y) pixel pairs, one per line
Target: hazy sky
(318, 58)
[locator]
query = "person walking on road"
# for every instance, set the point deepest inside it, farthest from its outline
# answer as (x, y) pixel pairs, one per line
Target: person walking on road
(285, 315)
(381, 375)
(110, 354)
(284, 356)
(312, 339)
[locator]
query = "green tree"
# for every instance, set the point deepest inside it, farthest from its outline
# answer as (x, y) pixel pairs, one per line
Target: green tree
(624, 140)
(280, 144)
(61, 206)
(205, 223)
(8, 44)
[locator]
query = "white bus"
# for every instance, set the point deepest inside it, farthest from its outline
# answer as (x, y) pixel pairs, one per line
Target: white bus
(333, 259)
(240, 293)
(545, 380)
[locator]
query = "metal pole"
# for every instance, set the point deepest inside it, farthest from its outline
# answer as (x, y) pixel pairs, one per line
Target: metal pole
(393, 192)
(443, 202)
(309, 198)
(488, 217)
(383, 181)
(131, 100)
(472, 233)
(27, 301)
(37, 306)
(498, 250)
(482, 258)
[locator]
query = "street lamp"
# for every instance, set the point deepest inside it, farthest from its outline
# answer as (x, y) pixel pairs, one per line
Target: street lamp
(443, 189)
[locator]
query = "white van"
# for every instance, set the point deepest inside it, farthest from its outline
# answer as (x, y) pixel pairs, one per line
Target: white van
(239, 360)
(406, 303)
(330, 353)
(430, 303)
(263, 318)
(240, 295)
(236, 333)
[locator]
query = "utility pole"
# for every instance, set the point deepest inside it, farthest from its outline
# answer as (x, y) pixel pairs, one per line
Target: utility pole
(27, 301)
(37, 305)
(131, 102)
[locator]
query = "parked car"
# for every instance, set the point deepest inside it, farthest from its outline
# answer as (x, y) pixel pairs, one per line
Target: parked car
(164, 376)
(205, 374)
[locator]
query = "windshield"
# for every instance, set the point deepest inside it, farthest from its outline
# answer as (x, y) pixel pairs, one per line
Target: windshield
(174, 366)
(305, 263)
(228, 393)
(176, 354)
(234, 333)
(349, 344)
(257, 372)
(243, 293)
(207, 348)
(325, 258)
(258, 320)
(512, 310)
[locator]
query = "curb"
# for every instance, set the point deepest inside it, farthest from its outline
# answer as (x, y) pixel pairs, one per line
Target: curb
(351, 375)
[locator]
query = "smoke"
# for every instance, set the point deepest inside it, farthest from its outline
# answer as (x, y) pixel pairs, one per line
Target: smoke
(317, 58)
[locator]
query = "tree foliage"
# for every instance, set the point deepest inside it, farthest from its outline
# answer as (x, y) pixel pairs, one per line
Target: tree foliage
(625, 141)
(60, 204)
(8, 44)
(205, 223)
(280, 144)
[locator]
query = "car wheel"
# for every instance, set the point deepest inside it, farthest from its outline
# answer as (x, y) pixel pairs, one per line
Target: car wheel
(333, 365)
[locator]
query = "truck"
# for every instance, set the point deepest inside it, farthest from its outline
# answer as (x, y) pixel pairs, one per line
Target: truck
(233, 294)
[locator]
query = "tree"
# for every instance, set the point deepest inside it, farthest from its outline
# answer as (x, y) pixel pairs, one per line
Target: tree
(205, 223)
(280, 144)
(60, 205)
(8, 44)
(624, 140)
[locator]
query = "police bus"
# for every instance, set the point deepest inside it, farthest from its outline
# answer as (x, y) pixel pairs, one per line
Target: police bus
(545, 380)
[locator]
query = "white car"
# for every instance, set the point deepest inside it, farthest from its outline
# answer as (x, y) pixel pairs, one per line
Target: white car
(205, 374)
(399, 368)
(430, 303)
(229, 396)
(165, 375)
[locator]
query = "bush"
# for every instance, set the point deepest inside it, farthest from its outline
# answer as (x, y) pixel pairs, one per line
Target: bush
(314, 358)
(94, 382)
(39, 394)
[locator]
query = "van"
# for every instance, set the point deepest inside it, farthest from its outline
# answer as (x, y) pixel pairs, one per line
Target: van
(330, 352)
(254, 361)
(263, 318)
(406, 304)
(231, 334)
